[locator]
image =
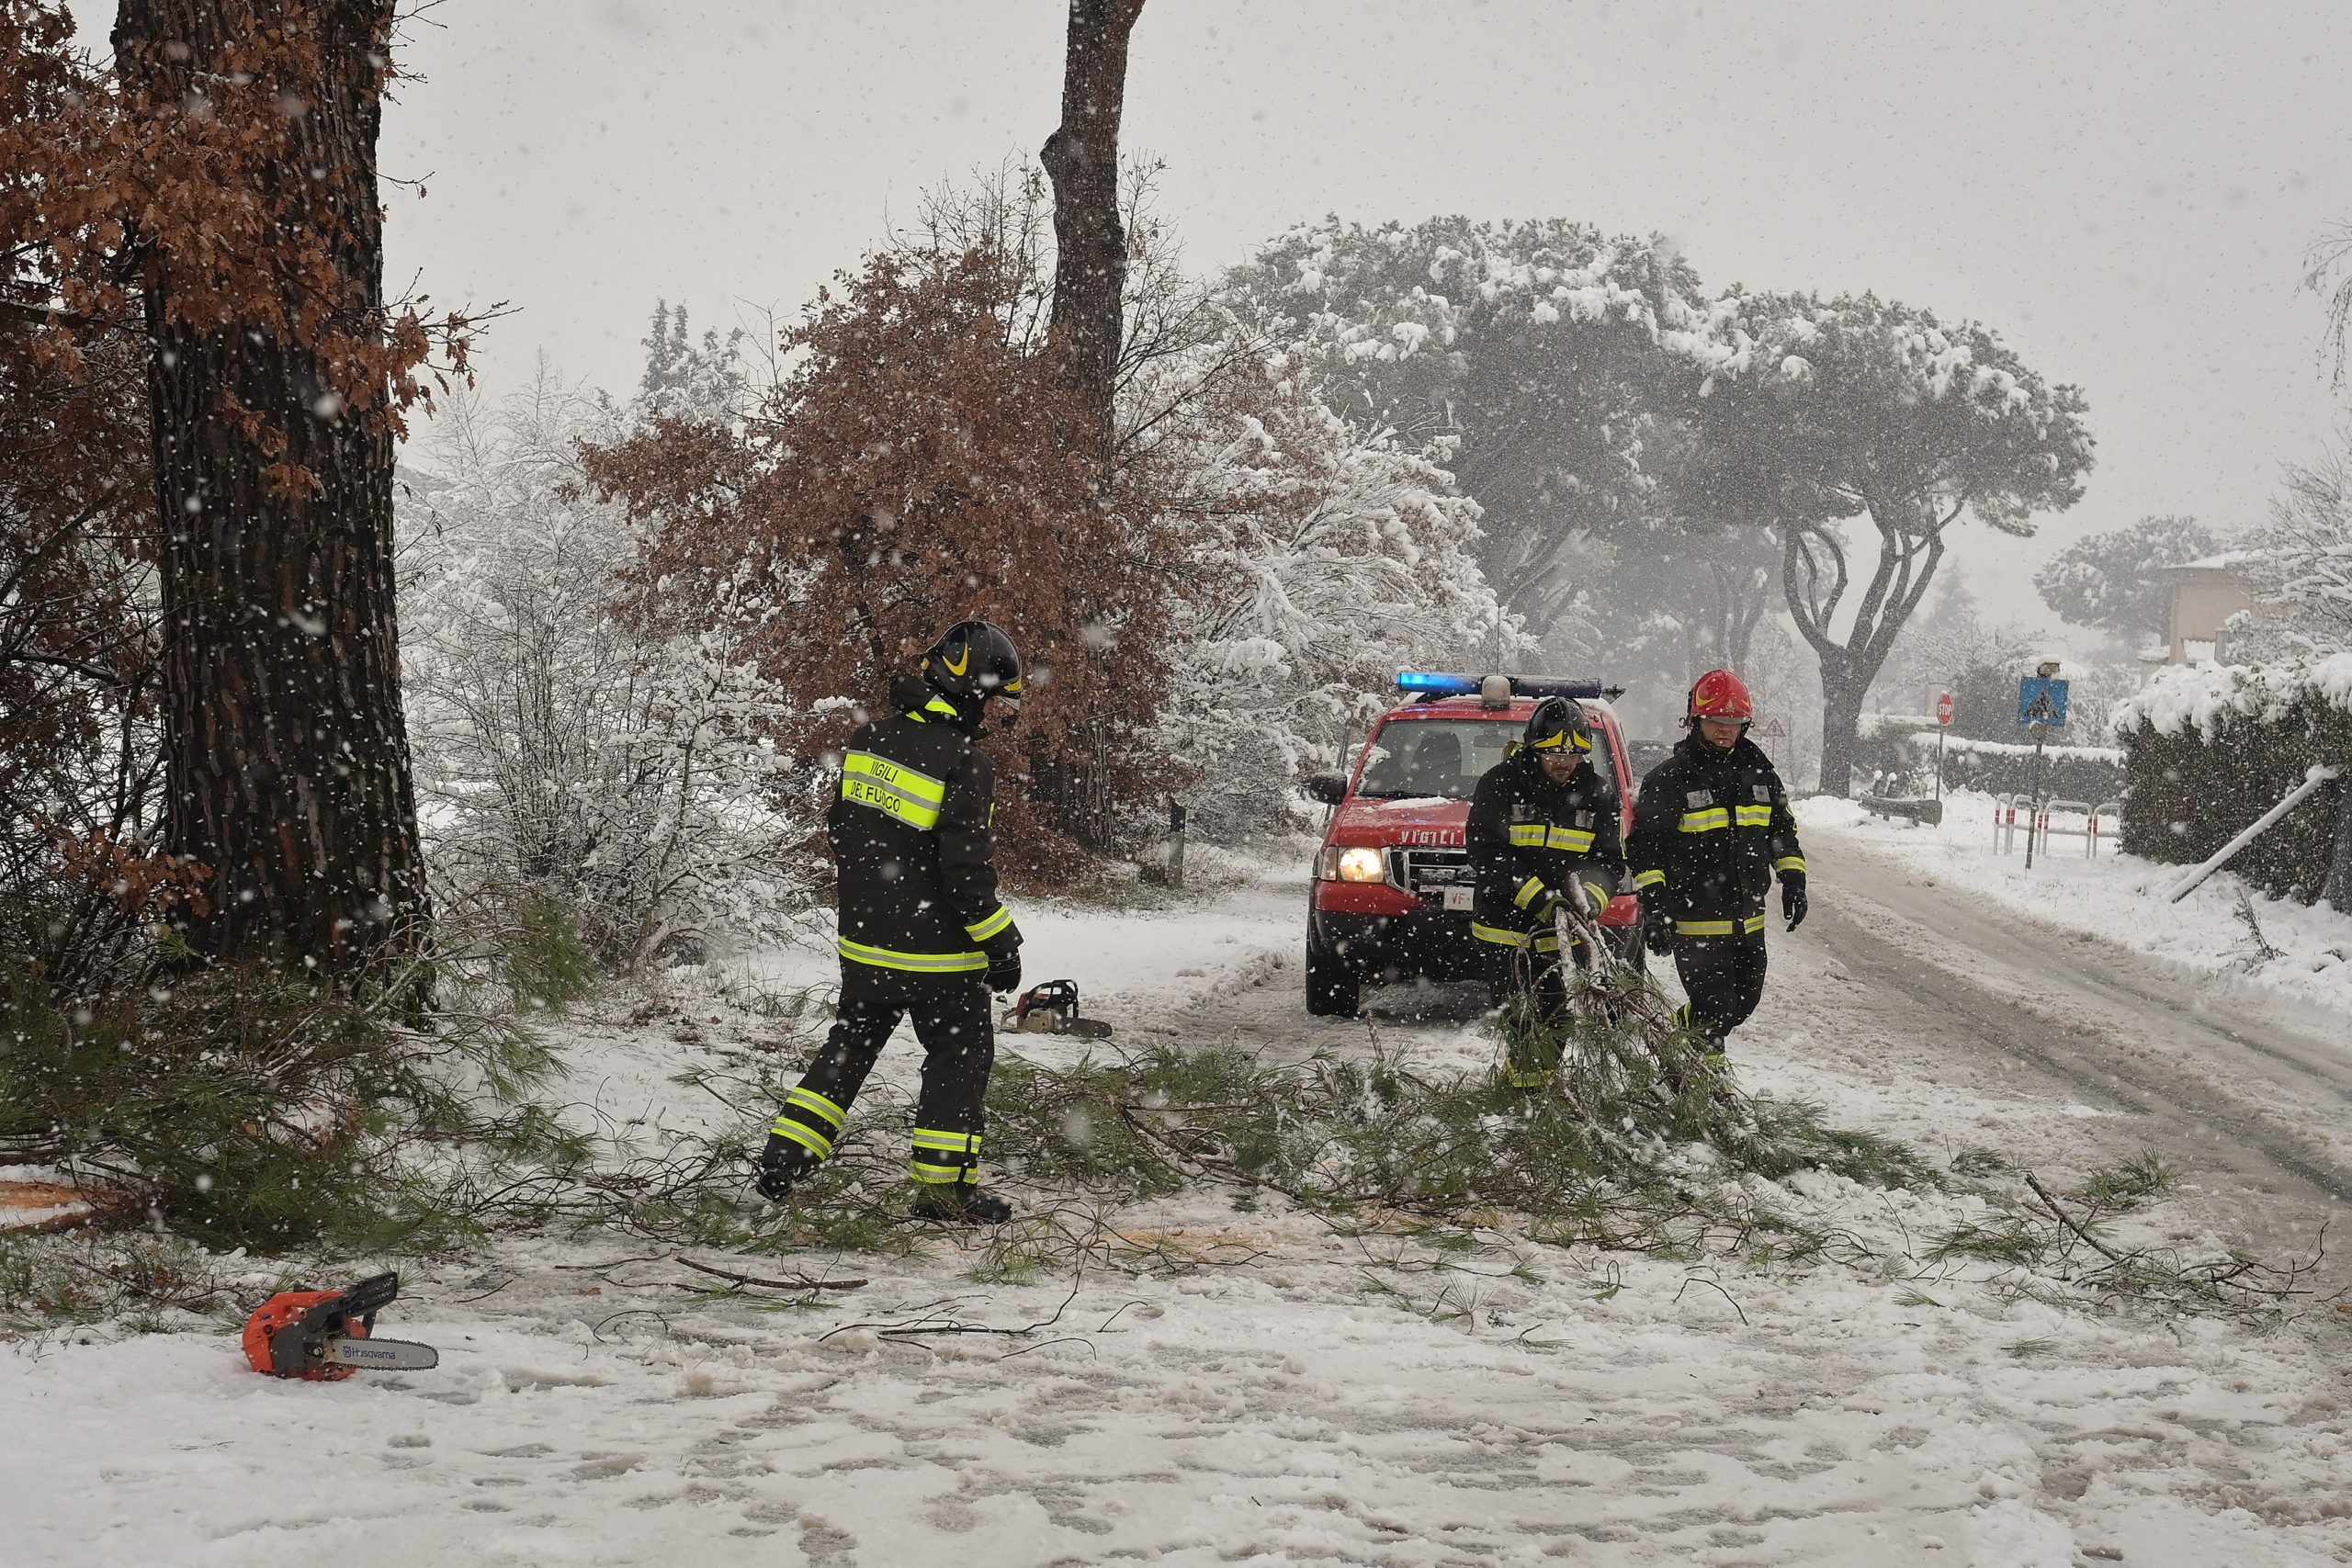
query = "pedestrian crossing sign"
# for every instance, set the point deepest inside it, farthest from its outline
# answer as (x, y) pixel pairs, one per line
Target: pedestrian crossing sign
(2041, 700)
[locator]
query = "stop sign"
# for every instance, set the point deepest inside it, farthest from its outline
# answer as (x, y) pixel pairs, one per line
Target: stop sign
(1943, 707)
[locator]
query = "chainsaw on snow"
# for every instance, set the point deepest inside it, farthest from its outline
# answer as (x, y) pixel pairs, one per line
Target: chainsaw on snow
(322, 1336)
(1052, 1008)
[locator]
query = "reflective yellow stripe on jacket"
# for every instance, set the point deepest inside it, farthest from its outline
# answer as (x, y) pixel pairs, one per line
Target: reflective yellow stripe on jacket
(1748, 927)
(1789, 862)
(1542, 941)
(1650, 878)
(914, 963)
(1538, 836)
(893, 788)
(988, 925)
(1706, 821)
(1755, 815)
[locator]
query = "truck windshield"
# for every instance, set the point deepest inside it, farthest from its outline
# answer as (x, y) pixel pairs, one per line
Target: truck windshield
(1445, 758)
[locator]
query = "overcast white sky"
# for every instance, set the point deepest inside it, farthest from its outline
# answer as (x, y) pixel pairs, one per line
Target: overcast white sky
(2124, 190)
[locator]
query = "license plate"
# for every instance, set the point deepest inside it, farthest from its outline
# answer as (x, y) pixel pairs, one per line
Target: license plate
(1459, 897)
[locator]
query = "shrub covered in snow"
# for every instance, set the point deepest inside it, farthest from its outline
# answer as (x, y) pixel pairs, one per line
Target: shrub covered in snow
(562, 747)
(2212, 748)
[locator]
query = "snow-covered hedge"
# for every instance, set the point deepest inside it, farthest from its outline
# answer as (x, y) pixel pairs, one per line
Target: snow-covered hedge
(2212, 746)
(1902, 748)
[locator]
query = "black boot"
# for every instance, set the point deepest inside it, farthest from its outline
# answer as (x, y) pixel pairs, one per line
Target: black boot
(960, 1203)
(783, 1165)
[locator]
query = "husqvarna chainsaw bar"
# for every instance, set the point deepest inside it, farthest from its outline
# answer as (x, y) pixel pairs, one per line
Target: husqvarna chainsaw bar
(322, 1335)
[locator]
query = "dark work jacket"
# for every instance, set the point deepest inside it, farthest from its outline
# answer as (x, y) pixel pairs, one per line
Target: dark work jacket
(1530, 837)
(1710, 828)
(910, 832)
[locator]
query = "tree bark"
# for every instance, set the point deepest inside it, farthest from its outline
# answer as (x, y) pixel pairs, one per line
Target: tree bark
(1842, 690)
(287, 756)
(1091, 243)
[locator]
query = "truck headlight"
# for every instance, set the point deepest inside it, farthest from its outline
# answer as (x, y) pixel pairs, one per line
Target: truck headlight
(1359, 864)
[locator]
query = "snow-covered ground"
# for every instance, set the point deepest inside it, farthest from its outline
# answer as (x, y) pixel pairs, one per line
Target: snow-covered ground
(1265, 1390)
(2124, 900)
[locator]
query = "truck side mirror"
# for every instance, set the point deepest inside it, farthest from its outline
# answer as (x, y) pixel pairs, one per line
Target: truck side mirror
(1329, 788)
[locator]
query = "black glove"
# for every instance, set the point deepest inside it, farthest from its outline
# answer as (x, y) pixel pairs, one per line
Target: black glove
(1004, 971)
(1658, 927)
(1792, 904)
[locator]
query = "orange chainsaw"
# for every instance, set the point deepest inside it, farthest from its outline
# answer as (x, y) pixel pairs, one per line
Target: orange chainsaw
(324, 1336)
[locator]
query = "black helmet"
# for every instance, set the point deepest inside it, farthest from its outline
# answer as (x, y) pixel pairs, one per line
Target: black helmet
(973, 659)
(1557, 721)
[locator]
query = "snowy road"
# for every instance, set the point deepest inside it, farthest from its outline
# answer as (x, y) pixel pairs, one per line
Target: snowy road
(1316, 1404)
(2249, 1101)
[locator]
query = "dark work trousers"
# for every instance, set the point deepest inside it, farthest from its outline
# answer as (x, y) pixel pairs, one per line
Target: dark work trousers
(1523, 971)
(951, 1018)
(1724, 976)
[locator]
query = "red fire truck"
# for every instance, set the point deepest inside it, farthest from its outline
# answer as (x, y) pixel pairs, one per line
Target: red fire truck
(1393, 883)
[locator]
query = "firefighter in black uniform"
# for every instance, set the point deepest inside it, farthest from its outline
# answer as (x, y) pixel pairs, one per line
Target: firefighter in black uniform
(1711, 829)
(1542, 829)
(921, 930)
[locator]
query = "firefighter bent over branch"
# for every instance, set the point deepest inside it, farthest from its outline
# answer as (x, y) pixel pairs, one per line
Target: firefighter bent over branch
(1542, 830)
(921, 931)
(1710, 828)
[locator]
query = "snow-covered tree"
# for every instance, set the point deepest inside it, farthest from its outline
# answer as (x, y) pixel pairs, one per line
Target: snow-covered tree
(2300, 563)
(628, 769)
(1324, 556)
(1821, 410)
(1539, 347)
(2111, 580)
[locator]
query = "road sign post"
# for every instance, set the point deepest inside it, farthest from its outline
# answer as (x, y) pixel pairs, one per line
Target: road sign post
(2042, 703)
(1943, 727)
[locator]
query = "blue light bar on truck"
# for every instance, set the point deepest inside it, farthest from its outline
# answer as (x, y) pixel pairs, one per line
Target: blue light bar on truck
(1427, 685)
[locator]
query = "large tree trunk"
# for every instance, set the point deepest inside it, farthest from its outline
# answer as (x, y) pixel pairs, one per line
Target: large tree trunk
(285, 752)
(1091, 244)
(1841, 716)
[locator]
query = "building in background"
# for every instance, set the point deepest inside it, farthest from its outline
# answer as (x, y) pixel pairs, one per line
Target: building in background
(2205, 594)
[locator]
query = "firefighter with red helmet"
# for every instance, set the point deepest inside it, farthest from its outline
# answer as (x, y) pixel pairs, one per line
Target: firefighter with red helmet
(1712, 828)
(1542, 830)
(921, 932)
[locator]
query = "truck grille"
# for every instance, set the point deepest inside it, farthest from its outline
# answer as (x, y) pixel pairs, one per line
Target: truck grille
(1431, 871)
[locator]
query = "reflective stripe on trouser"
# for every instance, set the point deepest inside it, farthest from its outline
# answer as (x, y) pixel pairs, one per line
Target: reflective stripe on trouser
(951, 1018)
(942, 1157)
(1751, 926)
(810, 1119)
(1723, 977)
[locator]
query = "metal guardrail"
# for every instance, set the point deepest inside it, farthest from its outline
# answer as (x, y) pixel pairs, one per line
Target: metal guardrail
(2101, 823)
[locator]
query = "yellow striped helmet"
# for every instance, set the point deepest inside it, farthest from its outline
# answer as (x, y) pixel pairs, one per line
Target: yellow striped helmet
(1558, 722)
(974, 659)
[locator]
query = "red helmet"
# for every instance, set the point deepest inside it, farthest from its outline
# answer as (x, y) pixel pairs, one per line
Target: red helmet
(1719, 694)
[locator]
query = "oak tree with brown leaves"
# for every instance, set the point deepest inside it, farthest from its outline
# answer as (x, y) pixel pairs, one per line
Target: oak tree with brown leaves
(908, 472)
(207, 211)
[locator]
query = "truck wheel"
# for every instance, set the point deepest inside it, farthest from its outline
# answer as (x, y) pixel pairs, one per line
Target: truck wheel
(1332, 989)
